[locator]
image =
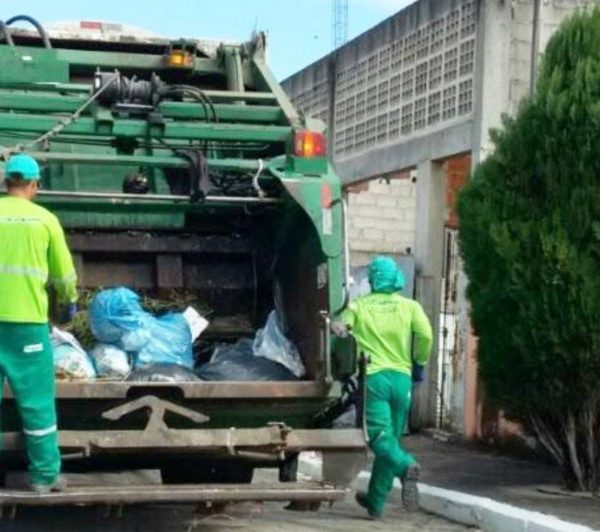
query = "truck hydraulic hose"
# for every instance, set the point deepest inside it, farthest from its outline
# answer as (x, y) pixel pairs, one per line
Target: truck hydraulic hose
(33, 22)
(195, 92)
(5, 32)
(171, 91)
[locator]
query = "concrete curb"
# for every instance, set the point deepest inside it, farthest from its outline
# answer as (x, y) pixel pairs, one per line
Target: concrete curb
(470, 510)
(485, 513)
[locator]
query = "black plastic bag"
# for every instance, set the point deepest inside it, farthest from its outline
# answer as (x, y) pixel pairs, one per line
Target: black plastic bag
(237, 362)
(163, 373)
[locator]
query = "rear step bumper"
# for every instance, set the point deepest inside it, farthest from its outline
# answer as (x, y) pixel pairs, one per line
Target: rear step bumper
(162, 494)
(271, 440)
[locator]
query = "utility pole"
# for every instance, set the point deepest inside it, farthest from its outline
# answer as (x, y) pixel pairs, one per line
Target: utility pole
(339, 36)
(339, 29)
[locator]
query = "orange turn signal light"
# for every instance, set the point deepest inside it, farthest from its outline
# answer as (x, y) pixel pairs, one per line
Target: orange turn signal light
(309, 144)
(180, 58)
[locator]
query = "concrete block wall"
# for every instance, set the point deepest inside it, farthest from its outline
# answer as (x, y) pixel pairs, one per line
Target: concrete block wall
(409, 76)
(381, 217)
(552, 13)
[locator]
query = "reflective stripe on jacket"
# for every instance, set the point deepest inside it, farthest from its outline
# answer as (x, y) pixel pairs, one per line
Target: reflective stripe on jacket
(33, 253)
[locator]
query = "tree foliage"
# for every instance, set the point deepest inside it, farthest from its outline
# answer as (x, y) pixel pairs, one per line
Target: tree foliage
(530, 238)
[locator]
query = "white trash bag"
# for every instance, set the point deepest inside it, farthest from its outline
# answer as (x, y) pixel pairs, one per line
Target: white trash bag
(111, 362)
(70, 359)
(195, 321)
(271, 343)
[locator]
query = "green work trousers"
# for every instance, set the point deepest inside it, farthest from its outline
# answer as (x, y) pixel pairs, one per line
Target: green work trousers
(26, 361)
(388, 405)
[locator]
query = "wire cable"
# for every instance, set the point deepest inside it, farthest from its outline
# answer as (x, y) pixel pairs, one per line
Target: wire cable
(255, 183)
(53, 132)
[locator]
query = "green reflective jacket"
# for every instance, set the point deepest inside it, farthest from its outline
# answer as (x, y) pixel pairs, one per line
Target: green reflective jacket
(383, 325)
(33, 253)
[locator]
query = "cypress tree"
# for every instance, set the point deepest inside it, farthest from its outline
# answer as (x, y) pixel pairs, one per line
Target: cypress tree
(530, 239)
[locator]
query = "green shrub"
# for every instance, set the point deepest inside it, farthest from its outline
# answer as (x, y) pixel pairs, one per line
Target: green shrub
(530, 239)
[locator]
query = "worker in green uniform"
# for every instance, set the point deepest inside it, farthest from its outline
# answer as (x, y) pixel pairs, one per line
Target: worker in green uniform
(33, 254)
(383, 324)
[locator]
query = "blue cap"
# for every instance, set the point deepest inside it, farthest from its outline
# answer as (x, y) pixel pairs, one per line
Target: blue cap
(23, 164)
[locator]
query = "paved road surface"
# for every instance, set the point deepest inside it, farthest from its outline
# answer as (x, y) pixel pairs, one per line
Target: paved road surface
(251, 517)
(270, 517)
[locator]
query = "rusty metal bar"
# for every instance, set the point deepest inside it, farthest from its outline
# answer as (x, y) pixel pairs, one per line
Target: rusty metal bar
(169, 270)
(304, 491)
(265, 439)
(195, 390)
(325, 439)
(326, 347)
(190, 440)
(145, 242)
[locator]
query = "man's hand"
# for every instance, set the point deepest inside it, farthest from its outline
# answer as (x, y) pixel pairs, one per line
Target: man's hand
(339, 329)
(66, 313)
(418, 373)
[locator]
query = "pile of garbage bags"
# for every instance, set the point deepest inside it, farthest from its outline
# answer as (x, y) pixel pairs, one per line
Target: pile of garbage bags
(270, 356)
(135, 345)
(118, 319)
(129, 338)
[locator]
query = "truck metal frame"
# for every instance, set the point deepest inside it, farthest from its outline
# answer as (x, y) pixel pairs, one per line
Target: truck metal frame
(91, 109)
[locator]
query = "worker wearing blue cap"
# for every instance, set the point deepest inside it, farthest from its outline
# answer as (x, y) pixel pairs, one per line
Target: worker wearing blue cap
(383, 324)
(33, 254)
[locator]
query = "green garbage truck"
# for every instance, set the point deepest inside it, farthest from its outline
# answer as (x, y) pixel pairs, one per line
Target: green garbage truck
(180, 166)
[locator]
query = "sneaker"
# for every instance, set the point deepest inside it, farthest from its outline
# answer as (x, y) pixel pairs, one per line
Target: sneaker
(410, 488)
(60, 484)
(361, 499)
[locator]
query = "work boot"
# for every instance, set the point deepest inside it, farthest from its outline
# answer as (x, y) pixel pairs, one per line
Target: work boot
(410, 488)
(361, 499)
(60, 484)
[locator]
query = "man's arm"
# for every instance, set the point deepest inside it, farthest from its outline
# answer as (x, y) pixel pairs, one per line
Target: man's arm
(60, 266)
(421, 328)
(348, 317)
(343, 322)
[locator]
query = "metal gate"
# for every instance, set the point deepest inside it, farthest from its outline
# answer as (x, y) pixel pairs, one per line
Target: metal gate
(448, 325)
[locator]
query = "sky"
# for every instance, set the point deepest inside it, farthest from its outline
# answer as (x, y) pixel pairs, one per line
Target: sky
(299, 31)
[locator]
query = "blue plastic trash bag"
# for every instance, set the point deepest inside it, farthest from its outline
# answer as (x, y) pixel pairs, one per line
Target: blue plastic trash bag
(110, 361)
(117, 317)
(170, 342)
(136, 340)
(115, 312)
